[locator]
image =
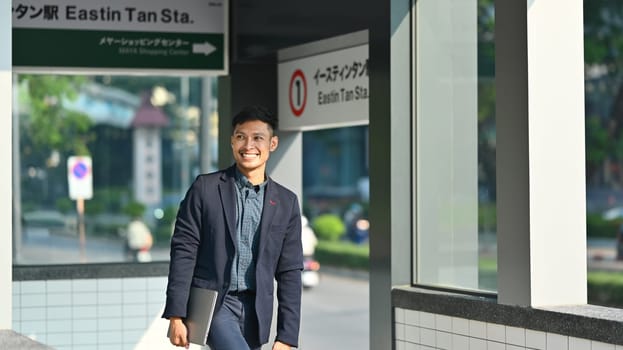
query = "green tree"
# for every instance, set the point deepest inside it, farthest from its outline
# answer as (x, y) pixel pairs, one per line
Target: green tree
(486, 96)
(603, 57)
(49, 132)
(597, 144)
(48, 125)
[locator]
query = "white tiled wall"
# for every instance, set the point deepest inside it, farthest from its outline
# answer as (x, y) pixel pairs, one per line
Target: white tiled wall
(417, 330)
(85, 314)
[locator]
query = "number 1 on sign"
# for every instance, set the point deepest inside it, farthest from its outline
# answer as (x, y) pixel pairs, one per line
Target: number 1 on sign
(298, 83)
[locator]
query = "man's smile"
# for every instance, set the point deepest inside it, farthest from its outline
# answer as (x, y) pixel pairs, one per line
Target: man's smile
(250, 155)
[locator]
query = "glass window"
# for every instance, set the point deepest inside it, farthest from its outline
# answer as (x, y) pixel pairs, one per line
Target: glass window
(603, 31)
(335, 184)
(455, 145)
(142, 137)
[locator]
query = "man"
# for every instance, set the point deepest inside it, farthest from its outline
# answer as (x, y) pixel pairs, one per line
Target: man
(237, 231)
(139, 241)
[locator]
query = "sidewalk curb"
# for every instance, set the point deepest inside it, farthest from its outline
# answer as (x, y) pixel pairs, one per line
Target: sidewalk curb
(345, 272)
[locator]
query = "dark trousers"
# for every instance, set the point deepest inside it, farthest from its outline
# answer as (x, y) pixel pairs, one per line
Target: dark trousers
(234, 326)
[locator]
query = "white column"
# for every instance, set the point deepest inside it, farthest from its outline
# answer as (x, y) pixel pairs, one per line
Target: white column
(286, 163)
(208, 132)
(5, 159)
(540, 153)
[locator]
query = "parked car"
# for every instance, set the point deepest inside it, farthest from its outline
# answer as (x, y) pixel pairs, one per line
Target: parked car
(51, 221)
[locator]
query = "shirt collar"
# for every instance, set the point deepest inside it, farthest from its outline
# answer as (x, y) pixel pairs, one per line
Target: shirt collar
(242, 181)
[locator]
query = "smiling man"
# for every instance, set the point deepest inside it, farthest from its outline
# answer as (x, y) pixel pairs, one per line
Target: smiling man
(237, 232)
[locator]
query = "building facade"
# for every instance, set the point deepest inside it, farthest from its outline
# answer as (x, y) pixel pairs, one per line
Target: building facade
(422, 80)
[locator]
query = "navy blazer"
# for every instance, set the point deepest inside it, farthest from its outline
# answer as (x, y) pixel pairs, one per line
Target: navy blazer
(204, 242)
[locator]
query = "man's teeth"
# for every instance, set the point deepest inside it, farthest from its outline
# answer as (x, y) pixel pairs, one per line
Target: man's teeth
(250, 155)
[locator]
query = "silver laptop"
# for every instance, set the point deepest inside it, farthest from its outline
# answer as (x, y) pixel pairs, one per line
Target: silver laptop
(200, 310)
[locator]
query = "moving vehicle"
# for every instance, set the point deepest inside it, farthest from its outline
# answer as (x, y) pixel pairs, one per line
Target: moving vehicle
(310, 275)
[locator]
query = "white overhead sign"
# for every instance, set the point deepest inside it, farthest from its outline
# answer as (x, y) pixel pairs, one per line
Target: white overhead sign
(324, 90)
(80, 177)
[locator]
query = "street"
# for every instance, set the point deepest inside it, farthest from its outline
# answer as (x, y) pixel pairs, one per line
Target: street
(335, 314)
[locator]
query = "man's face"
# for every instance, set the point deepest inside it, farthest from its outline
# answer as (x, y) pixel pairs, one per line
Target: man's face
(252, 143)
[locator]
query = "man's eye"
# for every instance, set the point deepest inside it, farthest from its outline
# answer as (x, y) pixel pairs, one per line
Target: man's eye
(239, 137)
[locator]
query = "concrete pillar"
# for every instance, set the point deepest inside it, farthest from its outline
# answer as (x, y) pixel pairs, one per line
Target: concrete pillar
(390, 168)
(541, 199)
(6, 230)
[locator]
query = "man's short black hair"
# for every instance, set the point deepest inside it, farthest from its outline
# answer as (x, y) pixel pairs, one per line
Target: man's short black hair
(255, 112)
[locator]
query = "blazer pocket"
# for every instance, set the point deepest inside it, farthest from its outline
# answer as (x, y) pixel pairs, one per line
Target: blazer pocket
(274, 243)
(277, 231)
(203, 283)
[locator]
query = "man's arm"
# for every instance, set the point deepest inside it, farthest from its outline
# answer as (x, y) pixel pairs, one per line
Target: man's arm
(184, 246)
(288, 277)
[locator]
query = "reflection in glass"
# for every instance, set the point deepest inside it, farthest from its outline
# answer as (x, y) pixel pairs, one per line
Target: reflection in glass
(144, 145)
(336, 188)
(455, 145)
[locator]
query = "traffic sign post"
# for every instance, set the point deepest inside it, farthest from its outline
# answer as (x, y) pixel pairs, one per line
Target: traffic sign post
(80, 179)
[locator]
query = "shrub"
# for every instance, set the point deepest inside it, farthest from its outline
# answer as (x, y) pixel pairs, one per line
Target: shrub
(328, 227)
(65, 205)
(605, 288)
(596, 226)
(164, 227)
(343, 254)
(134, 209)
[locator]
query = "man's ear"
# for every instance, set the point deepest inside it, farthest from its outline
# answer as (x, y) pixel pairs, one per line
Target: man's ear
(274, 142)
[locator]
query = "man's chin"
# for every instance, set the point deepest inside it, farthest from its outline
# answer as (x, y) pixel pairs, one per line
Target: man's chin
(249, 165)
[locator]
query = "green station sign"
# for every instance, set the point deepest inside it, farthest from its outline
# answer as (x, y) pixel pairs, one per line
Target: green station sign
(125, 36)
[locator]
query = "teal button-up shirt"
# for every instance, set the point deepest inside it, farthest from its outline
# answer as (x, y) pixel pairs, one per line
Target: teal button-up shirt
(249, 204)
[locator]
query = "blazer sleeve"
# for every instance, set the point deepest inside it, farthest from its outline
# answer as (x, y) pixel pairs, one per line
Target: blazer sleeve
(184, 246)
(288, 277)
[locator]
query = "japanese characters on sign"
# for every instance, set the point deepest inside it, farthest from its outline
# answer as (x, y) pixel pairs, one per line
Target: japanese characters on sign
(185, 35)
(352, 70)
(325, 90)
(23, 12)
(192, 16)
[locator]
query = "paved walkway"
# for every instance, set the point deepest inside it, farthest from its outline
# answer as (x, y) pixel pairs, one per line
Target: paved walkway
(601, 255)
(9, 340)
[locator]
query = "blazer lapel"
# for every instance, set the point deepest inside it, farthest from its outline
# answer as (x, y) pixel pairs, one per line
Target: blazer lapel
(271, 205)
(228, 201)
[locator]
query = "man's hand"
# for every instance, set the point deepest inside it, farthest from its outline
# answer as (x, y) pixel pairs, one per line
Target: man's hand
(178, 333)
(281, 346)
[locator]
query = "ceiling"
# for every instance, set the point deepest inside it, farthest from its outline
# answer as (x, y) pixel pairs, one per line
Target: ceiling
(259, 28)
